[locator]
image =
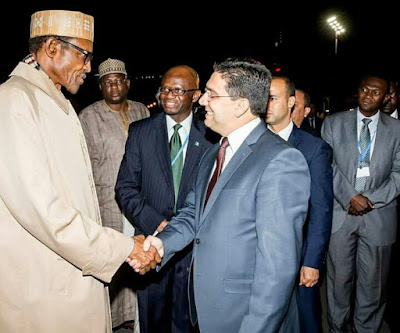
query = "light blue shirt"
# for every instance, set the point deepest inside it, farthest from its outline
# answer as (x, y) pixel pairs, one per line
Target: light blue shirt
(373, 126)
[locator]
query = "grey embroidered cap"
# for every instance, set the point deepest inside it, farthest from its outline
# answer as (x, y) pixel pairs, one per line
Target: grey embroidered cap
(112, 66)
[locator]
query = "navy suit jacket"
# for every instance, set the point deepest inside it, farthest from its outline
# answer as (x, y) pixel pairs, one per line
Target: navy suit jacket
(319, 221)
(144, 185)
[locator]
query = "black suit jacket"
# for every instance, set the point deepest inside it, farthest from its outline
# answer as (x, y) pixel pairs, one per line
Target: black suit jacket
(144, 187)
(305, 125)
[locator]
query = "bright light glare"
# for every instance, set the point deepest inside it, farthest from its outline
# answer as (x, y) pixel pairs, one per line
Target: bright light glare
(335, 25)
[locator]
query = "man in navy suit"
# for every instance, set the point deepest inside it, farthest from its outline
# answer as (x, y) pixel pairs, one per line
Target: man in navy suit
(145, 191)
(248, 235)
(318, 226)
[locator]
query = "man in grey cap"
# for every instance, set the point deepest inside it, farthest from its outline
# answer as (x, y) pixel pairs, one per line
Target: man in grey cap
(105, 125)
(55, 255)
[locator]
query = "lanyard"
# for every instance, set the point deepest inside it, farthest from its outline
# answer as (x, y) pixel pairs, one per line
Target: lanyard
(366, 151)
(180, 150)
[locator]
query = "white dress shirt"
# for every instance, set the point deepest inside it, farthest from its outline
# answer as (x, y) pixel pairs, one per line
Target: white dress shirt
(183, 131)
(236, 139)
(285, 133)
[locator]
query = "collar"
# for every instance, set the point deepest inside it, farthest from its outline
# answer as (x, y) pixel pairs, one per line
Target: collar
(285, 133)
(33, 73)
(185, 124)
(374, 118)
(237, 137)
(30, 60)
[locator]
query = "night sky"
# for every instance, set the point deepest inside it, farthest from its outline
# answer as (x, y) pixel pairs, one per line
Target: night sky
(151, 38)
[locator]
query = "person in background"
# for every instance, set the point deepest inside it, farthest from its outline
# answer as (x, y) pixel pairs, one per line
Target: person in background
(391, 312)
(105, 125)
(158, 169)
(301, 110)
(313, 121)
(390, 107)
(55, 255)
(366, 183)
(246, 223)
(319, 220)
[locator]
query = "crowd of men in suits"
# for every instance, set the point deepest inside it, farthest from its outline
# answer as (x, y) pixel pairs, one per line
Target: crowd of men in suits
(353, 226)
(234, 215)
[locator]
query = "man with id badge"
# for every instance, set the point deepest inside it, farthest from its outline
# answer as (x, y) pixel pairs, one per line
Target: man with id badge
(366, 182)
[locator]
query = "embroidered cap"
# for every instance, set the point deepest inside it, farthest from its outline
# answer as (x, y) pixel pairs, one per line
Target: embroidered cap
(112, 66)
(62, 23)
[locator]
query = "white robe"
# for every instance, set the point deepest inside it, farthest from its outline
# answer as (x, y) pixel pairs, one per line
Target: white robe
(54, 254)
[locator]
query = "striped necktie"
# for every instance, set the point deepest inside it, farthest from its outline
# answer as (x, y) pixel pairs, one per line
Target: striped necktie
(176, 162)
(365, 140)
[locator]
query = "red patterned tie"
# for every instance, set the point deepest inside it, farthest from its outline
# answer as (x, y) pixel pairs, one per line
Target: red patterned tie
(218, 168)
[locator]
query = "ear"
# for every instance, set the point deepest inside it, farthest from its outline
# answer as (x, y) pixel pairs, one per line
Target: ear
(128, 83)
(241, 107)
(158, 97)
(386, 98)
(196, 96)
(50, 47)
(307, 110)
(291, 101)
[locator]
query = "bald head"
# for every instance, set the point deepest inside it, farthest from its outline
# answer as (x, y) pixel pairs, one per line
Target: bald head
(186, 73)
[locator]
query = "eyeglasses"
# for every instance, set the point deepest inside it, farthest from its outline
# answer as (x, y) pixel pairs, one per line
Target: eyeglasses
(109, 83)
(207, 93)
(88, 55)
(175, 91)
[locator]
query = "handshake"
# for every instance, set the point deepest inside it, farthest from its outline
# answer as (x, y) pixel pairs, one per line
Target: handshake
(146, 253)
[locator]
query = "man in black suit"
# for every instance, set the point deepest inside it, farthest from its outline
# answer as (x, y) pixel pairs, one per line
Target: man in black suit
(145, 191)
(301, 113)
(319, 220)
(313, 121)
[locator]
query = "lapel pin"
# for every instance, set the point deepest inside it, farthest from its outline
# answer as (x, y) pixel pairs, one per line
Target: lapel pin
(197, 143)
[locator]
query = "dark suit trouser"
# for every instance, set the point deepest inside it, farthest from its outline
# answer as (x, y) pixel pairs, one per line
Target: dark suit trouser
(163, 299)
(357, 273)
(309, 305)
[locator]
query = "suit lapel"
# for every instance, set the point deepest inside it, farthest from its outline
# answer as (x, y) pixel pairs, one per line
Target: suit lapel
(293, 137)
(241, 155)
(350, 132)
(194, 149)
(161, 147)
(204, 175)
(381, 140)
